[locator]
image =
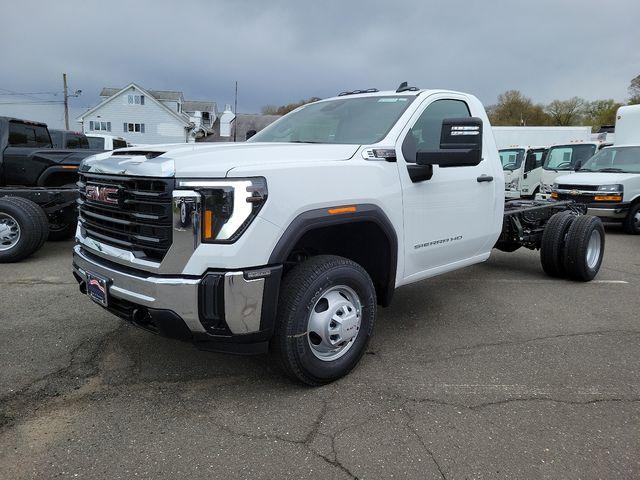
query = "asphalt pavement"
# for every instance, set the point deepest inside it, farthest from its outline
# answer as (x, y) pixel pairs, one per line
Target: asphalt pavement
(495, 371)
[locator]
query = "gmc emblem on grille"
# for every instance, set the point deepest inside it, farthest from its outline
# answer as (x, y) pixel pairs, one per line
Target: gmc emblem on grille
(108, 195)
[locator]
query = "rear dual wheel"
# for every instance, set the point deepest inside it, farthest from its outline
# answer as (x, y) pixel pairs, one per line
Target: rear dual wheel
(572, 246)
(23, 228)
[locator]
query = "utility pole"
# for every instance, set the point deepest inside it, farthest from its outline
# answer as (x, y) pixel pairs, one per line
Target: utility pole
(66, 102)
(235, 112)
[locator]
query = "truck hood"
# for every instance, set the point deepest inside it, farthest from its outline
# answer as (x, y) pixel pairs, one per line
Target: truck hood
(210, 160)
(595, 178)
(68, 157)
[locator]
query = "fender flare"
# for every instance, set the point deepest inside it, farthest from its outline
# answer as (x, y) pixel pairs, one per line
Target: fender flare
(319, 218)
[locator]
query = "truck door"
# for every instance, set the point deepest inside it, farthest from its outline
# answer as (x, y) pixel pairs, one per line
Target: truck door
(530, 182)
(449, 217)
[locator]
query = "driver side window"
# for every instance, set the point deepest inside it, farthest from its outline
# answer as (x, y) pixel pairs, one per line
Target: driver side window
(425, 133)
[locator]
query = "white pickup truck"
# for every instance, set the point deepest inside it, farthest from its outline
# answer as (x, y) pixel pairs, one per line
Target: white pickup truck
(609, 182)
(288, 242)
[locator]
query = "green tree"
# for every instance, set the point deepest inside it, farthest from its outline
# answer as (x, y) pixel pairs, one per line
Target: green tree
(513, 108)
(634, 91)
(600, 112)
(284, 109)
(566, 112)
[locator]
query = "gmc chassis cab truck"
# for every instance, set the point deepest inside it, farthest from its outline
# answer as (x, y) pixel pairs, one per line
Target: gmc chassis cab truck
(288, 242)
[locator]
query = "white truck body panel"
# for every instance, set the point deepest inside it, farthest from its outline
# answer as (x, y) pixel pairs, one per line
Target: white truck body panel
(545, 136)
(628, 125)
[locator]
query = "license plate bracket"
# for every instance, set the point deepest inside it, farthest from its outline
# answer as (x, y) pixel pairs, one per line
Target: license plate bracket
(98, 289)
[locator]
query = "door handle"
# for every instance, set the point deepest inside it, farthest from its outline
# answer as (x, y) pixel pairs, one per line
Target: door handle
(484, 178)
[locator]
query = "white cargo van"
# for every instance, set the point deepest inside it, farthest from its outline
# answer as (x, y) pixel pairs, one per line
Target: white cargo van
(609, 182)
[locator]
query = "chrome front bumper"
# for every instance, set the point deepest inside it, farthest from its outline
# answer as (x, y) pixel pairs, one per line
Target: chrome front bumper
(616, 213)
(243, 298)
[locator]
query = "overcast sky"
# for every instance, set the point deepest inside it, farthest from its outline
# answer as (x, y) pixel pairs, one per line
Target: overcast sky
(282, 51)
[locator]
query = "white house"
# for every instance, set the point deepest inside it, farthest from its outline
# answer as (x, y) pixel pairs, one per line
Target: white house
(149, 116)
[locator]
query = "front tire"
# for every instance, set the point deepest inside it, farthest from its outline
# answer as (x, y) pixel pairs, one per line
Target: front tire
(326, 313)
(631, 223)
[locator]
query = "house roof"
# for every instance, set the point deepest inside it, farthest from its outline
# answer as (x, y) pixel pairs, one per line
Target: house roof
(158, 94)
(178, 116)
(197, 105)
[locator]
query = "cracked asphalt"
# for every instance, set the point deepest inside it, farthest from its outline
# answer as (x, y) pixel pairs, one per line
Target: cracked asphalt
(491, 372)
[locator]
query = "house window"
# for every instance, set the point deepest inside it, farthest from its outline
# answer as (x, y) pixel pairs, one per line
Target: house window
(135, 99)
(134, 127)
(96, 126)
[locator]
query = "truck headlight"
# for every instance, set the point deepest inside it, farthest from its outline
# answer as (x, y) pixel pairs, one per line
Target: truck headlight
(610, 188)
(228, 206)
(514, 183)
(544, 188)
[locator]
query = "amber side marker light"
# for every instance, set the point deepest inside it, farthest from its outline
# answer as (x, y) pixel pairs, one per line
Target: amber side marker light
(70, 167)
(339, 210)
(608, 198)
(208, 224)
(554, 194)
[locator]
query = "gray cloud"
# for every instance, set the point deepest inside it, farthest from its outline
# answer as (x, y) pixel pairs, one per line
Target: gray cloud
(281, 51)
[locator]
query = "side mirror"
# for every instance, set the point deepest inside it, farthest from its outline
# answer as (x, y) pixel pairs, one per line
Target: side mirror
(250, 133)
(577, 166)
(460, 144)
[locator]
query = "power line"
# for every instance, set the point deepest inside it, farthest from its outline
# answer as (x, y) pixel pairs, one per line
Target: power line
(41, 102)
(28, 93)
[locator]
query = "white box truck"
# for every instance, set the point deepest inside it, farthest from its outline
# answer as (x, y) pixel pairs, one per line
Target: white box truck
(522, 151)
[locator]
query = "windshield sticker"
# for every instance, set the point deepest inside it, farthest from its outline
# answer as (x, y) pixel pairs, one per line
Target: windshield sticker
(391, 99)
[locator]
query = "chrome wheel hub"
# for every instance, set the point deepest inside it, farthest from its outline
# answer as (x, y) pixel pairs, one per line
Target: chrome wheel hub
(334, 322)
(9, 232)
(593, 249)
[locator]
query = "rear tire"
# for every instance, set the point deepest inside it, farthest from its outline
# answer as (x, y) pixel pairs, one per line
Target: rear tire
(584, 248)
(334, 297)
(36, 211)
(631, 223)
(21, 229)
(553, 242)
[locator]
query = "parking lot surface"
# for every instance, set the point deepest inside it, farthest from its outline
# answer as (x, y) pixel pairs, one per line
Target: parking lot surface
(496, 371)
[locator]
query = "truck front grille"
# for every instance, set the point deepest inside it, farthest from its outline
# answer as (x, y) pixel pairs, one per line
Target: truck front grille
(132, 213)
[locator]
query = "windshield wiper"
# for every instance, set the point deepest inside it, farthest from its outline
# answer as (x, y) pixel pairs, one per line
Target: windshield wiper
(303, 141)
(610, 169)
(585, 170)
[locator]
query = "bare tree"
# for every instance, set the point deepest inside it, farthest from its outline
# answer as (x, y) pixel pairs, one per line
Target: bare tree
(566, 112)
(513, 108)
(634, 91)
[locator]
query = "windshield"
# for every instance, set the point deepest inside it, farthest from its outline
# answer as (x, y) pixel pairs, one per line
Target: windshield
(96, 143)
(565, 157)
(75, 140)
(344, 120)
(614, 159)
(511, 159)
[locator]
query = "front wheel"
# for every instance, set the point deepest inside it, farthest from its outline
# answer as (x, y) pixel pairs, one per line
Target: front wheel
(326, 313)
(631, 224)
